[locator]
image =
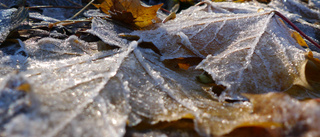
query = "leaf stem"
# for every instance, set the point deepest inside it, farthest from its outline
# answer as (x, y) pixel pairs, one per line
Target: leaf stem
(296, 28)
(165, 10)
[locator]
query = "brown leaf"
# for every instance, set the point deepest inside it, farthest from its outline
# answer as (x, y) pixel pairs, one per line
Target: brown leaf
(247, 53)
(129, 11)
(299, 118)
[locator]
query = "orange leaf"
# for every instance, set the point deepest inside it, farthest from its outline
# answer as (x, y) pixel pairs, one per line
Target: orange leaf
(129, 11)
(24, 87)
(299, 39)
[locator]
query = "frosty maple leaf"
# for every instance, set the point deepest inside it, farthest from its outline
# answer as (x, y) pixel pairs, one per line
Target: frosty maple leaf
(252, 52)
(129, 11)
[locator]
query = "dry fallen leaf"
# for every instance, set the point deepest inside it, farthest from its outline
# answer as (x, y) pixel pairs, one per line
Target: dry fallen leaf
(277, 113)
(129, 11)
(247, 53)
(298, 118)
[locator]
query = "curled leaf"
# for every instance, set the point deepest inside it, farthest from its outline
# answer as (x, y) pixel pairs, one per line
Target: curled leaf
(306, 85)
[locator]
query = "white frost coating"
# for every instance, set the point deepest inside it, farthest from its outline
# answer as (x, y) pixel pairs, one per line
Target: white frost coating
(118, 119)
(272, 54)
(49, 49)
(107, 76)
(202, 30)
(217, 31)
(78, 75)
(156, 76)
(106, 31)
(249, 51)
(148, 98)
(39, 16)
(296, 6)
(185, 41)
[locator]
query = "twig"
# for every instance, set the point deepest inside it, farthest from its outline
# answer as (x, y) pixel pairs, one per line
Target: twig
(75, 15)
(68, 22)
(296, 28)
(165, 10)
(4, 5)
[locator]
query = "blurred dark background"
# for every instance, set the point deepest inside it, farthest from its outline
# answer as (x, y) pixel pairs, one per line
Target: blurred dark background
(168, 4)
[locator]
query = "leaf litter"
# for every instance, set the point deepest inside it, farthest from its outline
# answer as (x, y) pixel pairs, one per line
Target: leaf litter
(76, 90)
